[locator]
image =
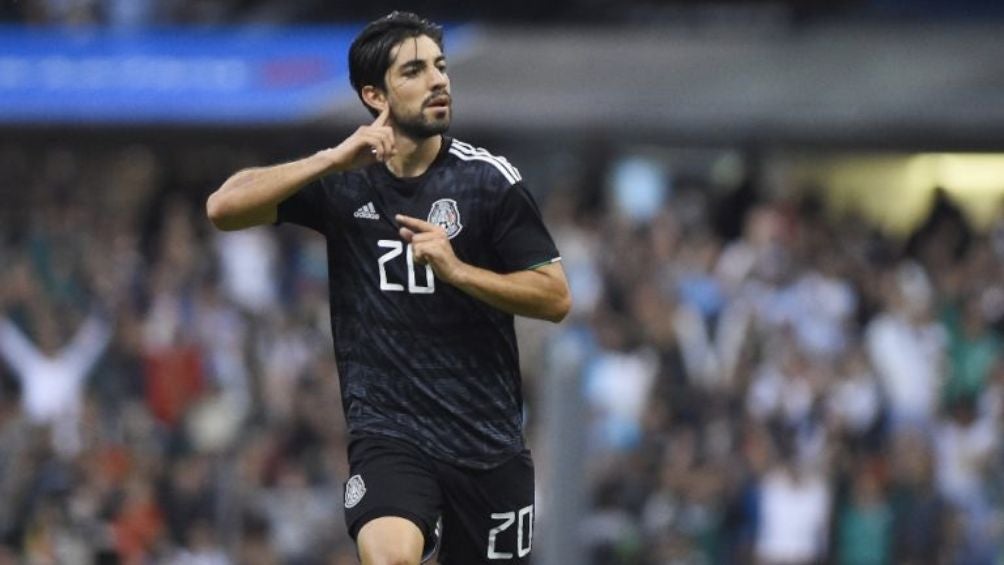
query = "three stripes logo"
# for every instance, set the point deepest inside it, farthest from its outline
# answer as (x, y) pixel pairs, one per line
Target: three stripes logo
(367, 212)
(467, 152)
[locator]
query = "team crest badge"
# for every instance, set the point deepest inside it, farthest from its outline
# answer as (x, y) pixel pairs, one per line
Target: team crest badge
(355, 489)
(445, 214)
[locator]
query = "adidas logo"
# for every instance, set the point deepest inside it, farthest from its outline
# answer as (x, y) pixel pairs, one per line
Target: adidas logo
(367, 211)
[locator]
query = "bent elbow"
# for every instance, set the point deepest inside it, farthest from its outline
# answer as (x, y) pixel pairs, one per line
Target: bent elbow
(562, 306)
(216, 212)
(219, 215)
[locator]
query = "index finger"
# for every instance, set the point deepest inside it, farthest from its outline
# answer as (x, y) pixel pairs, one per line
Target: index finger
(381, 119)
(415, 224)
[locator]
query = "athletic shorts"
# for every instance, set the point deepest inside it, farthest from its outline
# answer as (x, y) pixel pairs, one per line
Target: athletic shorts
(486, 516)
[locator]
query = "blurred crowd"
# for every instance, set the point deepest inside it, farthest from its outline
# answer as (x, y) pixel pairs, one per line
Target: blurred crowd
(168, 394)
(806, 390)
(765, 382)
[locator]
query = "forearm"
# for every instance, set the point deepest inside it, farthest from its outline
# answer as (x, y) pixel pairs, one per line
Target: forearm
(251, 197)
(90, 342)
(537, 293)
(15, 348)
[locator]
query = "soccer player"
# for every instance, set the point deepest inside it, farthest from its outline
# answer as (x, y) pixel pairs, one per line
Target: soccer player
(433, 246)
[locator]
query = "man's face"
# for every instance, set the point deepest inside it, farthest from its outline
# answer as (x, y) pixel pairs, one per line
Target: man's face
(418, 89)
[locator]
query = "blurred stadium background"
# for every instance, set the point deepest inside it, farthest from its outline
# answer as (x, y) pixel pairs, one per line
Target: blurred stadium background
(781, 222)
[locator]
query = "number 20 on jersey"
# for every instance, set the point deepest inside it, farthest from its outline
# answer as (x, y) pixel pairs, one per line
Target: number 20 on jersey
(396, 248)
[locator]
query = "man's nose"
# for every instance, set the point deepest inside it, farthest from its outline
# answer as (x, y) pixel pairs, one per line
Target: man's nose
(438, 78)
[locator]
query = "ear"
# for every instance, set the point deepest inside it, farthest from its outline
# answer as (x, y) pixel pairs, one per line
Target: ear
(374, 97)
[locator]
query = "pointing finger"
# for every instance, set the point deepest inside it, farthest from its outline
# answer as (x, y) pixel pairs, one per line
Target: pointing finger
(415, 224)
(426, 236)
(381, 119)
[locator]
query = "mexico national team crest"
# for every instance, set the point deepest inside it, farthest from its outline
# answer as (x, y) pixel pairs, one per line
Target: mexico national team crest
(355, 488)
(445, 214)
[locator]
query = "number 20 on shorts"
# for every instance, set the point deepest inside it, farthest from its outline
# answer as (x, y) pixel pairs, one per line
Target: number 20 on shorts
(523, 519)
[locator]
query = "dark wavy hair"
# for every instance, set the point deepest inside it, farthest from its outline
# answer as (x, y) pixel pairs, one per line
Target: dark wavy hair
(369, 56)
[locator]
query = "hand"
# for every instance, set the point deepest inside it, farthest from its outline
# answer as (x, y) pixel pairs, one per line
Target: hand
(367, 145)
(430, 246)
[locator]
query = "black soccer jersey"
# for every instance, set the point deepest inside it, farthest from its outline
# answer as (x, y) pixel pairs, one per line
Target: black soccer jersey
(418, 359)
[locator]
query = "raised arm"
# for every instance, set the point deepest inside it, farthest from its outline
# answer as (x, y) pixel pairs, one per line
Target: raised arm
(541, 292)
(251, 197)
(16, 349)
(88, 344)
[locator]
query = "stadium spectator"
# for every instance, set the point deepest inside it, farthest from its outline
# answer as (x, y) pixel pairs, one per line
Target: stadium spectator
(207, 417)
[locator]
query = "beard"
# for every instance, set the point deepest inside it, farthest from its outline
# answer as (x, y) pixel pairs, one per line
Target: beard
(418, 126)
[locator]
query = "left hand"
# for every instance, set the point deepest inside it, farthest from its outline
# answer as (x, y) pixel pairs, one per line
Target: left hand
(430, 246)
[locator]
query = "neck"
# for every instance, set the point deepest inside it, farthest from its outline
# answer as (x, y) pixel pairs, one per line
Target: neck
(413, 157)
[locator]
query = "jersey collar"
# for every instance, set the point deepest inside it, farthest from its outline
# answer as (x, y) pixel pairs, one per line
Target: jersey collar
(387, 176)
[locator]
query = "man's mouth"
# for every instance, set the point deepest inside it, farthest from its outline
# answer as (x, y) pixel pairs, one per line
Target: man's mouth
(439, 102)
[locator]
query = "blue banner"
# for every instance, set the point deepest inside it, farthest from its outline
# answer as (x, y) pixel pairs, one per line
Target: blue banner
(246, 75)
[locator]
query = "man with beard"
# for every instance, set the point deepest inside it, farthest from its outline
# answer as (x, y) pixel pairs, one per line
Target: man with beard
(433, 246)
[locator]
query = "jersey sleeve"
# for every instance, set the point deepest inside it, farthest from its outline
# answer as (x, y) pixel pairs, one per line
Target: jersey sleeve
(518, 232)
(306, 207)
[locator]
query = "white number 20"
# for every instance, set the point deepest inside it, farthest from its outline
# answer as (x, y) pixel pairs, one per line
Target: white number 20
(525, 515)
(413, 287)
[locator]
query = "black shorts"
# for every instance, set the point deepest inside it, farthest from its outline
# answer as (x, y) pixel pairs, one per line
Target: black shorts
(487, 515)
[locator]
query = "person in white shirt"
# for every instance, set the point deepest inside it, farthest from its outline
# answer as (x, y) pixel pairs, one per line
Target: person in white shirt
(52, 378)
(906, 346)
(794, 515)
